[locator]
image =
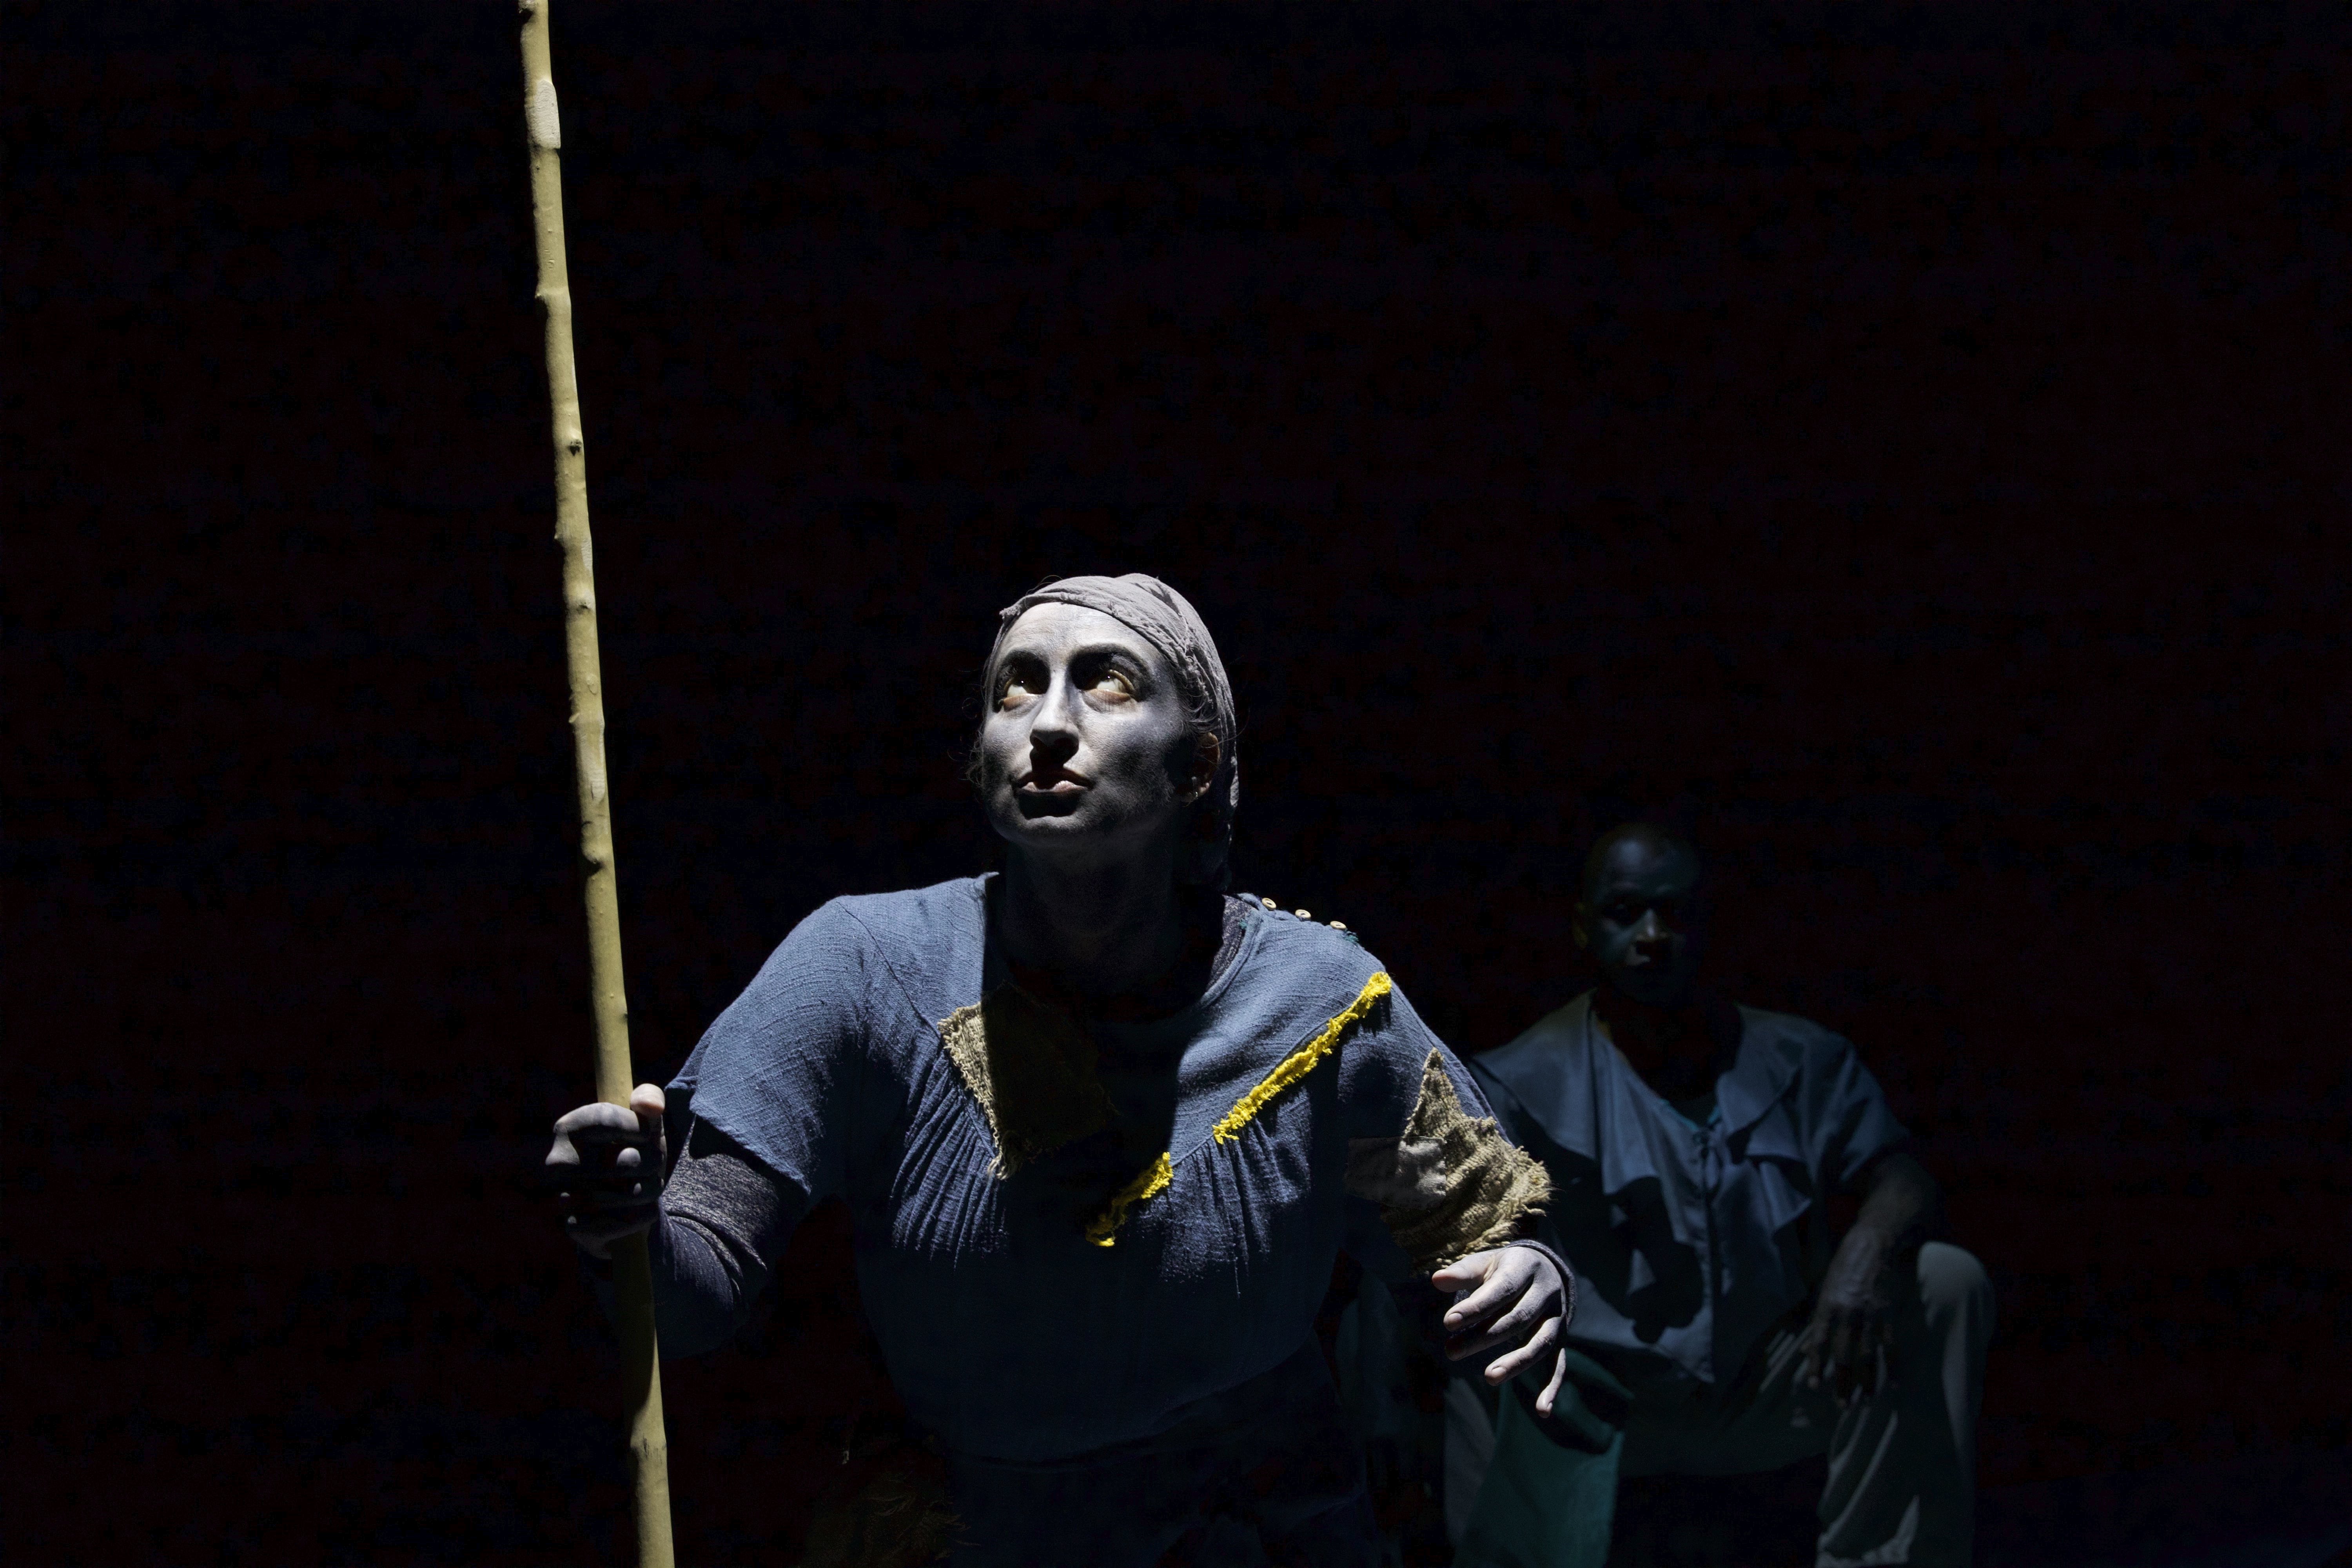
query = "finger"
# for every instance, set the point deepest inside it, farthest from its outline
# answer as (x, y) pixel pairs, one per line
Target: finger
(1508, 1329)
(1842, 1344)
(1506, 1366)
(1859, 1364)
(1550, 1394)
(602, 1139)
(1865, 1381)
(596, 1158)
(647, 1101)
(584, 1195)
(1857, 1367)
(1503, 1286)
(1465, 1271)
(1811, 1349)
(611, 1119)
(596, 1166)
(1509, 1364)
(1472, 1314)
(1866, 1356)
(585, 1170)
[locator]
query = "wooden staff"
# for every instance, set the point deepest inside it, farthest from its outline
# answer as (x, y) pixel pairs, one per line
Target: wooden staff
(632, 1279)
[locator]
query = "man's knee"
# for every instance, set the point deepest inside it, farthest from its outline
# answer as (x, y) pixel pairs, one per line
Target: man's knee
(1955, 1288)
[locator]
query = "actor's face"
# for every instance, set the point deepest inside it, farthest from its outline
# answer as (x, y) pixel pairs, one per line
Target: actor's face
(1641, 918)
(1087, 751)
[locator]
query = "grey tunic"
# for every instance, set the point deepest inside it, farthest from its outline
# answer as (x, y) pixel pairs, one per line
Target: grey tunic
(884, 1055)
(1690, 1241)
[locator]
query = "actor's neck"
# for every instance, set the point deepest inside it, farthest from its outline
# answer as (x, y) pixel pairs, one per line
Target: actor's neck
(1103, 929)
(1672, 1047)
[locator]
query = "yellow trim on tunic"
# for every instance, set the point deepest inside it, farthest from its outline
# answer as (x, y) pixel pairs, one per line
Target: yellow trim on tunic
(1300, 1062)
(1103, 1231)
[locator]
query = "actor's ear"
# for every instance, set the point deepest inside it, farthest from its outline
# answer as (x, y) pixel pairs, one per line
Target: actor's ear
(1577, 927)
(1206, 754)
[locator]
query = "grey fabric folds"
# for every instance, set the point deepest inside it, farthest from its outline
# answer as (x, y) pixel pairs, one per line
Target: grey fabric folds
(1165, 620)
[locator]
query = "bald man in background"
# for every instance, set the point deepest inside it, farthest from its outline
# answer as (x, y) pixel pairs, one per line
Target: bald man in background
(1721, 1329)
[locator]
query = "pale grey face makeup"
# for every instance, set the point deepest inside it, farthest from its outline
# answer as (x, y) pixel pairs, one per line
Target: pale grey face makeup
(1087, 749)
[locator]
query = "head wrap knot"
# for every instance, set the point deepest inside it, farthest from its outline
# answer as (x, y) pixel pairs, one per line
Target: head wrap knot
(1166, 619)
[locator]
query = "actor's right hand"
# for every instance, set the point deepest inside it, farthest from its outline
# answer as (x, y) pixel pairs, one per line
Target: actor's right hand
(607, 1162)
(1513, 1297)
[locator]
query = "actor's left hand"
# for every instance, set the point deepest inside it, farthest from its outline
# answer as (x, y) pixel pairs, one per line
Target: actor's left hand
(1517, 1297)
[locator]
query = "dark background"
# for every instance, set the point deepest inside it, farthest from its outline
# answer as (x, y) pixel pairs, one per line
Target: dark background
(1918, 432)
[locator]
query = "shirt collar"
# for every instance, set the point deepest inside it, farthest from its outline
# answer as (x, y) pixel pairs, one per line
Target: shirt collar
(1753, 1089)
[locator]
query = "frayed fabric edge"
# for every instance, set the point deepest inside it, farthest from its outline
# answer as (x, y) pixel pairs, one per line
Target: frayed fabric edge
(1293, 1068)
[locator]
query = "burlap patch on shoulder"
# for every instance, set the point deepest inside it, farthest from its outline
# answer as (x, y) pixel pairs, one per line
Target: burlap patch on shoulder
(1031, 1069)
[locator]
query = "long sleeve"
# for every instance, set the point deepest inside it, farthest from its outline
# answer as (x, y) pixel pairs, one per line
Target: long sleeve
(725, 1219)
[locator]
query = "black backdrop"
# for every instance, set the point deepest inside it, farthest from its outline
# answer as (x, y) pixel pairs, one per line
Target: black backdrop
(1918, 433)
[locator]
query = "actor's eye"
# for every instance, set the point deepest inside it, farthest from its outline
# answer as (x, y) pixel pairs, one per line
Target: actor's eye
(1017, 690)
(1114, 683)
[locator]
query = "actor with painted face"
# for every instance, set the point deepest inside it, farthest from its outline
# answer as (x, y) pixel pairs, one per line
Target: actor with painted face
(1103, 1129)
(1692, 1145)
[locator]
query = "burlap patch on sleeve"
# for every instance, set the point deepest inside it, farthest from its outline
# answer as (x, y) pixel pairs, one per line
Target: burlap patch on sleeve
(1450, 1185)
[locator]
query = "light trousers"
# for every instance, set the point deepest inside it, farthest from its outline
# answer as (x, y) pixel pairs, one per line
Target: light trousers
(1901, 1460)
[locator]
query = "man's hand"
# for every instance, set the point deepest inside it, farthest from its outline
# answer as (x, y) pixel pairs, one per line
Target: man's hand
(608, 1160)
(1853, 1331)
(1517, 1297)
(1852, 1336)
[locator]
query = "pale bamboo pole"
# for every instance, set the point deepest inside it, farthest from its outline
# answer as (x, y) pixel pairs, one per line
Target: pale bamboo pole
(632, 1280)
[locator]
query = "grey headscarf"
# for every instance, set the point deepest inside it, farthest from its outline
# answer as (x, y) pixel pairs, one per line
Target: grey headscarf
(1166, 619)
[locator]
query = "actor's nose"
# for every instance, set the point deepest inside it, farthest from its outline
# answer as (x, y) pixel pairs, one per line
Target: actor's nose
(1053, 734)
(1651, 939)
